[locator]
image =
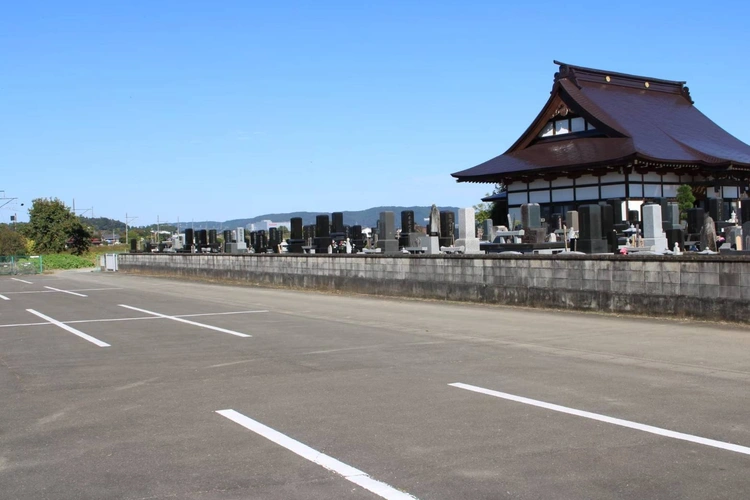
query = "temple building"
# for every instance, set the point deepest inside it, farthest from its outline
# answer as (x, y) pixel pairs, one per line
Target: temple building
(605, 135)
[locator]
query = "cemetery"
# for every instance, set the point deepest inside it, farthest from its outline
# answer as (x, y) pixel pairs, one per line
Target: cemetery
(590, 219)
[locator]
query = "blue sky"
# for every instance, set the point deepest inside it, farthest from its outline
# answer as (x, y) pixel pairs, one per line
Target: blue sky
(222, 110)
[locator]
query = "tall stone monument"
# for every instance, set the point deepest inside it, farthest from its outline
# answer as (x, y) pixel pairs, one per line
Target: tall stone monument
(467, 236)
(433, 231)
(653, 231)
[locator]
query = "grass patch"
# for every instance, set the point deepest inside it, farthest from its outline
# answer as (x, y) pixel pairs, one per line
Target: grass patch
(57, 261)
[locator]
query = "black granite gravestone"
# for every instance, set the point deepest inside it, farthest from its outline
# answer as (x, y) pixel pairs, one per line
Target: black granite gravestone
(675, 235)
(447, 225)
(337, 223)
(296, 236)
(274, 239)
(616, 205)
(189, 240)
(633, 216)
(715, 209)
(745, 211)
(133, 245)
(322, 234)
(590, 232)
(608, 229)
(695, 218)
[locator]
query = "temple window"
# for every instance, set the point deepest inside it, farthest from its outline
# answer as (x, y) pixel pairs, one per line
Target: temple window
(562, 126)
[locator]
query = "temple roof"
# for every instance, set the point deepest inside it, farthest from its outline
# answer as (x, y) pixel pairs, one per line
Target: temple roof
(634, 119)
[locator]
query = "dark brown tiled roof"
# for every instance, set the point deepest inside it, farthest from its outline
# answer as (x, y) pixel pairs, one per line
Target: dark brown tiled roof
(638, 118)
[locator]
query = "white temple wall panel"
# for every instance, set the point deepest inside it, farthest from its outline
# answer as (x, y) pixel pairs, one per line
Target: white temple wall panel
(539, 196)
(559, 195)
(614, 191)
(587, 193)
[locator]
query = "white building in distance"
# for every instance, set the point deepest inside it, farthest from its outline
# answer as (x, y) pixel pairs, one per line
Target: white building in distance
(265, 225)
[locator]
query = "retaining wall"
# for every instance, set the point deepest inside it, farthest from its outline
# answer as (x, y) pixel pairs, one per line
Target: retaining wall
(695, 286)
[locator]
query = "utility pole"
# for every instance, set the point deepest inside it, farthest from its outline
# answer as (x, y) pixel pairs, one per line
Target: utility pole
(127, 221)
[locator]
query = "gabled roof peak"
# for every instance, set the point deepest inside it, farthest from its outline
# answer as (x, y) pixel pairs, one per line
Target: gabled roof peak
(580, 74)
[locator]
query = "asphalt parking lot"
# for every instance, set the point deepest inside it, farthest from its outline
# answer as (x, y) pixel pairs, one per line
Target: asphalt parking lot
(116, 386)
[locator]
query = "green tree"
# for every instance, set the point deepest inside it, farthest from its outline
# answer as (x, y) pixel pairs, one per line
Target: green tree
(52, 224)
(11, 241)
(685, 199)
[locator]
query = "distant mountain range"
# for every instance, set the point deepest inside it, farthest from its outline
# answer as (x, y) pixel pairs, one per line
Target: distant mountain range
(366, 218)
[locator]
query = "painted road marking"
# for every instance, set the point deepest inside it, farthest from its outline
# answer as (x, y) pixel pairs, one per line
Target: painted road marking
(65, 291)
(181, 320)
(4, 297)
(610, 420)
(107, 320)
(22, 281)
(70, 329)
(349, 473)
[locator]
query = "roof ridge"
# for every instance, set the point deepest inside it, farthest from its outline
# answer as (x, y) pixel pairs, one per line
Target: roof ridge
(566, 69)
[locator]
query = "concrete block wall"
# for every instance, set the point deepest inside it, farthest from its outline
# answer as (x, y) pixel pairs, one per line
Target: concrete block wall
(691, 286)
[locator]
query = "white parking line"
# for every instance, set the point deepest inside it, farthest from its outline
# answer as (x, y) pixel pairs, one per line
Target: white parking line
(349, 473)
(195, 323)
(65, 291)
(610, 420)
(53, 290)
(22, 281)
(70, 329)
(108, 320)
(4, 297)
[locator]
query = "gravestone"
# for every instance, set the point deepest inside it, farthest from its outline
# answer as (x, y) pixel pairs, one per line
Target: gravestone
(447, 228)
(227, 234)
(434, 225)
(708, 234)
(488, 230)
(322, 233)
(555, 223)
(633, 216)
(653, 231)
(695, 218)
(732, 233)
(262, 241)
(745, 211)
(675, 235)
(616, 205)
(467, 236)
(133, 245)
(531, 215)
(407, 221)
(387, 241)
(274, 239)
(590, 230)
(358, 238)
(296, 236)
(715, 209)
(673, 217)
(408, 235)
(189, 240)
(338, 232)
(572, 220)
(608, 227)
(433, 231)
(746, 236)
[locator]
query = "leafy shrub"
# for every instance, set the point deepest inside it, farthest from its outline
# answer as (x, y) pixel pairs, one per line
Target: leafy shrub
(67, 261)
